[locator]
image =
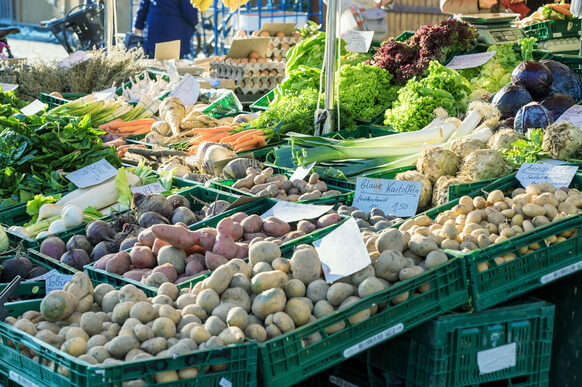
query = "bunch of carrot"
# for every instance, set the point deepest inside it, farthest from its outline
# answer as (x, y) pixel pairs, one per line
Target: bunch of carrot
(241, 141)
(128, 128)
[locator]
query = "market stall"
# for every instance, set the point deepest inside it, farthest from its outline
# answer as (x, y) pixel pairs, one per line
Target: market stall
(155, 232)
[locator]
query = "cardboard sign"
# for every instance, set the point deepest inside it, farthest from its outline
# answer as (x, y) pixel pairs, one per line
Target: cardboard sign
(241, 48)
(294, 212)
(394, 197)
(469, 61)
(557, 175)
(167, 50)
(273, 28)
(6, 87)
(33, 108)
(187, 90)
(342, 252)
(93, 174)
(148, 189)
(358, 41)
(574, 115)
(302, 171)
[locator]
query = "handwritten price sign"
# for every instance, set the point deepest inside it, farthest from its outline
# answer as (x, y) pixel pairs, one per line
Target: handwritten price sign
(394, 197)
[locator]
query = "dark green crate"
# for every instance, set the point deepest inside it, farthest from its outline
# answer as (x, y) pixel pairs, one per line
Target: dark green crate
(346, 197)
(553, 29)
(404, 36)
(255, 207)
(53, 102)
(35, 289)
(572, 61)
(444, 352)
(241, 361)
(490, 283)
(291, 358)
(458, 190)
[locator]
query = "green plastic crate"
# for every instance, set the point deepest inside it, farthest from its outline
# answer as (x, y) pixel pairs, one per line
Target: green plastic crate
(53, 102)
(453, 349)
(497, 283)
(572, 61)
(35, 289)
(262, 103)
(255, 207)
(553, 29)
(291, 358)
(404, 36)
(241, 361)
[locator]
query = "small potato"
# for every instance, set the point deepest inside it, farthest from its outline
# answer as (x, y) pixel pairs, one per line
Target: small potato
(295, 288)
(479, 202)
(422, 221)
(369, 286)
(560, 195)
(449, 231)
(391, 239)
(207, 299)
(533, 189)
(281, 264)
(199, 334)
(450, 244)
(238, 317)
(283, 322)
(232, 335)
(410, 272)
(495, 218)
(495, 196)
(214, 325)
(540, 221)
(338, 292)
(164, 327)
(317, 290)
(435, 258)
(421, 246)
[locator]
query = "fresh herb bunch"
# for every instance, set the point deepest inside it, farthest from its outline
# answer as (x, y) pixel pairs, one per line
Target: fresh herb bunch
(298, 80)
(365, 91)
(406, 60)
(293, 113)
(309, 52)
(37, 151)
(528, 150)
(442, 87)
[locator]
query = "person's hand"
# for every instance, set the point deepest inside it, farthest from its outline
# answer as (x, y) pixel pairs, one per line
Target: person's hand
(486, 4)
(137, 32)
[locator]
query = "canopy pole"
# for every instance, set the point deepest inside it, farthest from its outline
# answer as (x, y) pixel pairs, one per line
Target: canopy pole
(330, 48)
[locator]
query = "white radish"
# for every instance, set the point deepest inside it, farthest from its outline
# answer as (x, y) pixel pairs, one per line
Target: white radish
(43, 234)
(57, 226)
(49, 210)
(476, 112)
(72, 216)
(19, 230)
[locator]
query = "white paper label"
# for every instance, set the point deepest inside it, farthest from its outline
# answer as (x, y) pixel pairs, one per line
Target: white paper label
(153, 188)
(21, 379)
(301, 172)
(294, 212)
(104, 94)
(225, 383)
(557, 175)
(187, 90)
(394, 197)
(574, 115)
(561, 272)
(470, 60)
(74, 59)
(56, 281)
(376, 339)
(93, 174)
(340, 382)
(6, 87)
(358, 41)
(33, 108)
(496, 359)
(342, 252)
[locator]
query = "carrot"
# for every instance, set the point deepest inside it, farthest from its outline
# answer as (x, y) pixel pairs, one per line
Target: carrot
(561, 8)
(246, 136)
(253, 141)
(107, 125)
(235, 136)
(134, 128)
(218, 129)
(142, 130)
(117, 125)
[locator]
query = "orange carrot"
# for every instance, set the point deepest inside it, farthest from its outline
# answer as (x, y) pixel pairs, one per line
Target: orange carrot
(235, 136)
(142, 130)
(133, 128)
(246, 137)
(253, 141)
(144, 121)
(106, 125)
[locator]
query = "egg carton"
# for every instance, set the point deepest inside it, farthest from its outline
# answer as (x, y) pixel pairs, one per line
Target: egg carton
(254, 85)
(276, 54)
(230, 71)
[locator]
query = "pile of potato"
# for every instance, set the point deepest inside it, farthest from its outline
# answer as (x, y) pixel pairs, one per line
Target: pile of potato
(172, 253)
(264, 183)
(478, 222)
(373, 220)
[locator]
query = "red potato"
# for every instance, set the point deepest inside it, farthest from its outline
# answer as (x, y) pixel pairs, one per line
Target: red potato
(251, 236)
(252, 224)
(142, 257)
(275, 227)
(328, 220)
(137, 274)
(119, 263)
(193, 267)
(182, 225)
(214, 260)
(237, 231)
(184, 278)
(257, 239)
(206, 238)
(306, 226)
(146, 237)
(101, 262)
(238, 217)
(158, 244)
(293, 235)
(195, 250)
(195, 257)
(242, 251)
(168, 270)
(176, 236)
(225, 227)
(225, 246)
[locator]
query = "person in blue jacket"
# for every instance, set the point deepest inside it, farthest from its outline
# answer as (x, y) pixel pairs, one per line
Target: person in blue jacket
(166, 20)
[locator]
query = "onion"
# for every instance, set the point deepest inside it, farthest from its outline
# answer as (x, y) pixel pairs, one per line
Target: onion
(72, 216)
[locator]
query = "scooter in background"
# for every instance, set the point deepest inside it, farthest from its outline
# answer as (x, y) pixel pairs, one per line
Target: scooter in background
(5, 52)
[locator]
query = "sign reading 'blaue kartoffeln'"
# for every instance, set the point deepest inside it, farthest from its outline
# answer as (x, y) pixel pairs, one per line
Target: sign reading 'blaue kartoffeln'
(394, 197)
